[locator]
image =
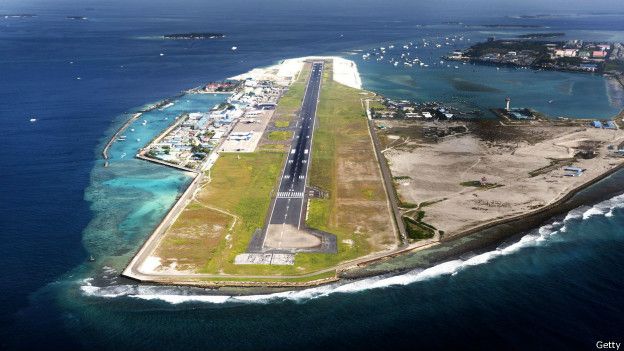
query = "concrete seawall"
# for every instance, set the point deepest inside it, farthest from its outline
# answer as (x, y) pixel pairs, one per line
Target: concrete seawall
(116, 135)
(132, 270)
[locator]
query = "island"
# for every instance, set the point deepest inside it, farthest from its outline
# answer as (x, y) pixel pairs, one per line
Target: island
(193, 36)
(300, 177)
(541, 35)
(18, 15)
(571, 55)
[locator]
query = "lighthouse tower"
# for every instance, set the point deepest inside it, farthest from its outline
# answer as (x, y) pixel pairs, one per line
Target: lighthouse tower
(507, 101)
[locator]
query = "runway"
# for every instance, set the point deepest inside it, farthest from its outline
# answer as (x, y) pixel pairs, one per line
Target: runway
(287, 209)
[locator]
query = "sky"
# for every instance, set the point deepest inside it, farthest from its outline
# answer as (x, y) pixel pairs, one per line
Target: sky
(402, 8)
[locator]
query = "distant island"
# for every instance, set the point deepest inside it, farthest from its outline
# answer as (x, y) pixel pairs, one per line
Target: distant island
(572, 55)
(540, 35)
(512, 26)
(193, 36)
(79, 18)
(18, 15)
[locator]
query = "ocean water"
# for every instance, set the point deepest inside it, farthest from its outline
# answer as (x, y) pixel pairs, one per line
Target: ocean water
(558, 286)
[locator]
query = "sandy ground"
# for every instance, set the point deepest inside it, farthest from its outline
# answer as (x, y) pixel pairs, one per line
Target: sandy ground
(435, 171)
(344, 71)
(288, 236)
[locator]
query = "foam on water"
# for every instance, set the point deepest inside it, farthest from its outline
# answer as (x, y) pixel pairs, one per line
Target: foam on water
(177, 295)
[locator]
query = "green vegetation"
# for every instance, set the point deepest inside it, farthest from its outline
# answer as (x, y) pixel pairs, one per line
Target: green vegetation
(356, 208)
(199, 148)
(282, 124)
(616, 65)
(541, 35)
(504, 46)
(236, 198)
(554, 164)
(474, 183)
(479, 184)
(241, 184)
(324, 275)
(416, 229)
(273, 147)
(405, 204)
(280, 135)
(401, 177)
(429, 203)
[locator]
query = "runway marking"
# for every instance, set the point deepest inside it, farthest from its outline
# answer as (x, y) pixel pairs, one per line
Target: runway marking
(289, 195)
(294, 174)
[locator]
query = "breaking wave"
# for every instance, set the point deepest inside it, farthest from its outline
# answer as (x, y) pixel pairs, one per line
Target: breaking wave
(177, 295)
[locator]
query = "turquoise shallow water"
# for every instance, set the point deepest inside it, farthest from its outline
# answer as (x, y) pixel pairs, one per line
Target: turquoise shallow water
(483, 87)
(130, 196)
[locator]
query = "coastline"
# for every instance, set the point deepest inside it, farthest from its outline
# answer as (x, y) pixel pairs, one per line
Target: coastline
(133, 118)
(495, 233)
(348, 270)
(344, 71)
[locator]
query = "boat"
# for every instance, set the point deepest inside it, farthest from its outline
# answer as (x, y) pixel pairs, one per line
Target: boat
(121, 138)
(132, 130)
(234, 48)
(91, 258)
(138, 139)
(144, 122)
(123, 155)
(33, 120)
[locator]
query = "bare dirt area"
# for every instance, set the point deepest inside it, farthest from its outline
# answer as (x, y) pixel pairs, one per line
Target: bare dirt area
(491, 172)
(187, 241)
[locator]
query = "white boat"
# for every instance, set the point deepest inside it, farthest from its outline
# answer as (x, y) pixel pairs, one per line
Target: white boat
(234, 48)
(123, 155)
(132, 130)
(33, 120)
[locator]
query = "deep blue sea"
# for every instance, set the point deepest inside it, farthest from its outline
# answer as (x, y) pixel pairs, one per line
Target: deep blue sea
(559, 286)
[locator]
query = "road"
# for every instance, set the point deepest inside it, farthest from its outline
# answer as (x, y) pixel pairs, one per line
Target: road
(288, 204)
(388, 183)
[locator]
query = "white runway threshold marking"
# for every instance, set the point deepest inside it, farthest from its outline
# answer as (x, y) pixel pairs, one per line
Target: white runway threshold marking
(289, 194)
(265, 258)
